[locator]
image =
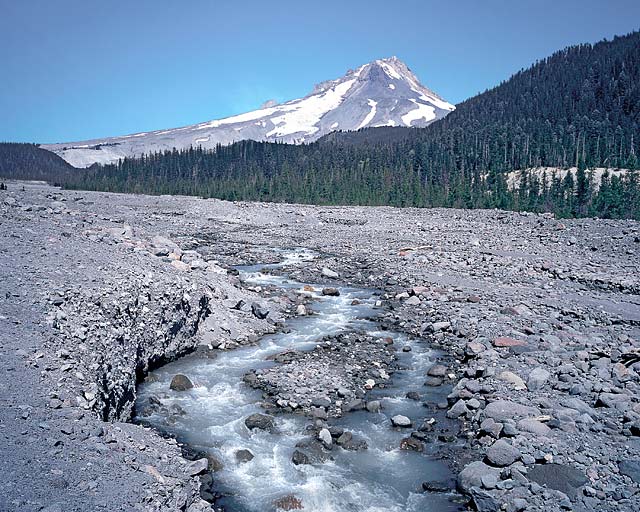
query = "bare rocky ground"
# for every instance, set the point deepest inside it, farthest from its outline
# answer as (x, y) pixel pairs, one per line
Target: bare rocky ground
(541, 318)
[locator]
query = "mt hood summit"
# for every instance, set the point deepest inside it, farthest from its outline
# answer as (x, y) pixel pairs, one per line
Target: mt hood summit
(382, 93)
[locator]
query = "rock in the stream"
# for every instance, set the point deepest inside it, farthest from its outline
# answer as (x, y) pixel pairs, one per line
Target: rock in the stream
(299, 457)
(243, 456)
(331, 292)
(437, 370)
(197, 467)
(180, 382)
(354, 444)
(411, 443)
(325, 437)
(354, 405)
(436, 486)
(259, 421)
(400, 421)
(289, 502)
(373, 406)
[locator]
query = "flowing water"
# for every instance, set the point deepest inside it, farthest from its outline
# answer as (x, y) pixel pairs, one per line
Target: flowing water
(381, 478)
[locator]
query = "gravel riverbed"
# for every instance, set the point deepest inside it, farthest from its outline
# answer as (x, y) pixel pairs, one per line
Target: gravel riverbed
(539, 320)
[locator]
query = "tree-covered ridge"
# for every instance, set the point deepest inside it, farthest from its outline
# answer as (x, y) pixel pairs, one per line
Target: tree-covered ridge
(580, 107)
(29, 162)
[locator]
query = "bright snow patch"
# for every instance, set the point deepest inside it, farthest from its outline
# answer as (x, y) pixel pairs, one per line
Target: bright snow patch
(306, 112)
(389, 70)
(426, 112)
(437, 102)
(391, 86)
(241, 118)
(372, 113)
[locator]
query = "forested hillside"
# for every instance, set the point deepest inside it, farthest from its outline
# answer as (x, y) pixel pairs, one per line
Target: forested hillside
(29, 162)
(580, 107)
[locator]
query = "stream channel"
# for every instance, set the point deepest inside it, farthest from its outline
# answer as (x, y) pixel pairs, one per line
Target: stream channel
(380, 478)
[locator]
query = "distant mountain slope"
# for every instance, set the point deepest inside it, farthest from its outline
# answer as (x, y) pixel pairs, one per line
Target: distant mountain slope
(581, 103)
(29, 162)
(382, 93)
(580, 107)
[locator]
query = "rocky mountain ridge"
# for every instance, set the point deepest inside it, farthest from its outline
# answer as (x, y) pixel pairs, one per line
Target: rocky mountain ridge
(384, 92)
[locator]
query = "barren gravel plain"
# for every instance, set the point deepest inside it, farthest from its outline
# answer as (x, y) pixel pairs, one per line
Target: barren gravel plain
(536, 321)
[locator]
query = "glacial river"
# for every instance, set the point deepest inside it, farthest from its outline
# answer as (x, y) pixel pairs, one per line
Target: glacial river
(382, 478)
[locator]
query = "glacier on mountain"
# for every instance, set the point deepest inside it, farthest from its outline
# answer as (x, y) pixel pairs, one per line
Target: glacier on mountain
(381, 93)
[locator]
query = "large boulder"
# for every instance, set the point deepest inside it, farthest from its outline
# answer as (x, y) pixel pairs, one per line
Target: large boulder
(630, 468)
(259, 311)
(472, 474)
(512, 378)
(400, 421)
(353, 405)
(181, 383)
(259, 421)
(458, 409)
(560, 477)
(299, 457)
(327, 272)
(197, 467)
(502, 410)
(537, 378)
(243, 456)
(483, 501)
(162, 246)
(502, 454)
(533, 426)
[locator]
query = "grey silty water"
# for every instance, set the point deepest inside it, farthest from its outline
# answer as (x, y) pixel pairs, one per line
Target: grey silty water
(381, 478)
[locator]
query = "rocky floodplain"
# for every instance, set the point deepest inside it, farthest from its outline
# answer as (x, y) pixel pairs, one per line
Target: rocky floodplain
(539, 319)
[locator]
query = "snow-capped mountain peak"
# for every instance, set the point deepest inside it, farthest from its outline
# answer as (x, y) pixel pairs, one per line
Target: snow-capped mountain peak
(381, 93)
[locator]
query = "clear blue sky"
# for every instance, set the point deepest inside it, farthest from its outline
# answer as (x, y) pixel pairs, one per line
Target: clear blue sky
(79, 69)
